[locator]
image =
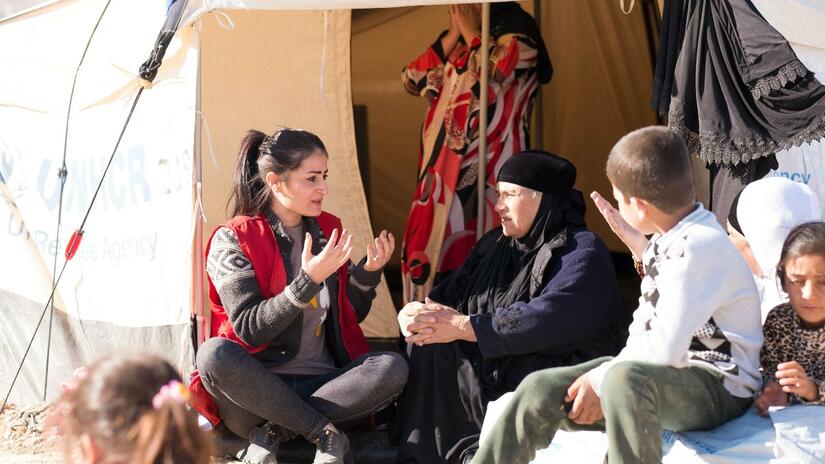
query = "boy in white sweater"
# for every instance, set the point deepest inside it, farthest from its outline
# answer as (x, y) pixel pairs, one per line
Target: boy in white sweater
(691, 361)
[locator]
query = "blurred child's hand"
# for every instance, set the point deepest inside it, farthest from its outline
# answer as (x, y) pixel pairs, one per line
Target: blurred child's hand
(794, 380)
(61, 411)
(772, 395)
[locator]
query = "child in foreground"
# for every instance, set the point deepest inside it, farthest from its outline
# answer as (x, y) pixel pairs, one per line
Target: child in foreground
(130, 408)
(793, 356)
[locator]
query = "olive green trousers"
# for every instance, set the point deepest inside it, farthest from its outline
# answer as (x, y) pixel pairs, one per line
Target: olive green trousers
(638, 400)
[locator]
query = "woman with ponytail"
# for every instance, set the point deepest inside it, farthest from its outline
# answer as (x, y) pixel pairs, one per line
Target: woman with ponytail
(131, 409)
(286, 356)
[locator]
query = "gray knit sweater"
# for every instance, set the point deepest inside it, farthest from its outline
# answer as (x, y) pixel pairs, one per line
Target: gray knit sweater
(278, 320)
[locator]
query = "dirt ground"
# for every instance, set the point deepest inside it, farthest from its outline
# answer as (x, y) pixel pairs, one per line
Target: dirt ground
(24, 439)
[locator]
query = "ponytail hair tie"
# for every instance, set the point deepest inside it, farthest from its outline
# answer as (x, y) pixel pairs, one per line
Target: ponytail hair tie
(172, 391)
(267, 143)
(79, 374)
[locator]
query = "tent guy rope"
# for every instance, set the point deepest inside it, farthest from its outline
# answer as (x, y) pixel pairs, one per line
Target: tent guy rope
(72, 246)
(148, 72)
(63, 174)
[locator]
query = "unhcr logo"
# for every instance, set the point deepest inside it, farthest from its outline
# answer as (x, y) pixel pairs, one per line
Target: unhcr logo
(801, 177)
(125, 183)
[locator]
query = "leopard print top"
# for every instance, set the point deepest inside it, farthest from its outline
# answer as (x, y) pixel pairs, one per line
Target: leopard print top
(786, 339)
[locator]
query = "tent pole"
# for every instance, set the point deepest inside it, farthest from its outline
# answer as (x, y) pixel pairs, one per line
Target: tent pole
(198, 316)
(484, 74)
(62, 173)
(72, 246)
(539, 129)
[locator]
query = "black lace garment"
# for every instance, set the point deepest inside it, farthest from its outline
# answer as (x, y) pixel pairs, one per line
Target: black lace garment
(731, 84)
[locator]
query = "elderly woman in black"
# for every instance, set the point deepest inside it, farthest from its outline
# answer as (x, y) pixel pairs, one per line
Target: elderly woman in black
(537, 292)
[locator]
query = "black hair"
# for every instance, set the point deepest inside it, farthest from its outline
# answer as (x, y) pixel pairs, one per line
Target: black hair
(261, 154)
(804, 239)
(652, 163)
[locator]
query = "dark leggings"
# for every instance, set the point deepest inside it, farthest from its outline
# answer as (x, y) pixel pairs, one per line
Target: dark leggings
(248, 394)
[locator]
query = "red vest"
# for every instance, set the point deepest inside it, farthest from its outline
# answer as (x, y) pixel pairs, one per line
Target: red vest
(258, 243)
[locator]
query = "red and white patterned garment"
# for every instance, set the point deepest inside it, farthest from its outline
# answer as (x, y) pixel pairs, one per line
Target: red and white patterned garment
(441, 226)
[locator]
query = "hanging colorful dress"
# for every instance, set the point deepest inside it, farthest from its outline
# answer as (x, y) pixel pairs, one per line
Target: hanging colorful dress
(440, 229)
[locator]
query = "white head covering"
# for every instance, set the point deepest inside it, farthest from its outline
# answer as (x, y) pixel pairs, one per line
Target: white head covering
(767, 211)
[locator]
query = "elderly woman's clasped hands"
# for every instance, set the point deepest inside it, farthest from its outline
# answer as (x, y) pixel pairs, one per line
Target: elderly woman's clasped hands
(432, 322)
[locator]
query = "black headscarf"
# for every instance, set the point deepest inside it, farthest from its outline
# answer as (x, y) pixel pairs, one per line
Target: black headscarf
(498, 271)
(509, 18)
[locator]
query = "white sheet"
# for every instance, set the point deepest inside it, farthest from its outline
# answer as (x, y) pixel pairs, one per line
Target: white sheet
(800, 433)
(794, 434)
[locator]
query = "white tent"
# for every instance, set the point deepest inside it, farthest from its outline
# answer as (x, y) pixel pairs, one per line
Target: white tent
(137, 275)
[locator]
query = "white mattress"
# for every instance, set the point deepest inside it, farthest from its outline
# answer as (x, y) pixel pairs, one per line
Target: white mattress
(794, 434)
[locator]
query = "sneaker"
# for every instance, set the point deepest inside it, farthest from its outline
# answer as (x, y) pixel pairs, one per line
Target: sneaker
(332, 447)
(227, 444)
(262, 448)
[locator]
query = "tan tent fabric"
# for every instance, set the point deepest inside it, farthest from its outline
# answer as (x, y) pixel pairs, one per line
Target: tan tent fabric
(197, 8)
(600, 91)
(265, 73)
(383, 41)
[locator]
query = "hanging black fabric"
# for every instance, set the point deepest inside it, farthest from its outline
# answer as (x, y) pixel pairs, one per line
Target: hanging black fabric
(728, 181)
(733, 87)
(671, 35)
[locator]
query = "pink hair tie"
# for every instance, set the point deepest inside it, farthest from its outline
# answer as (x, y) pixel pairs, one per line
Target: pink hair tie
(172, 391)
(79, 374)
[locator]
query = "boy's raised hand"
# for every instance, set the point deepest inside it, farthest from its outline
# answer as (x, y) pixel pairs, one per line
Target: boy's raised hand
(334, 255)
(631, 237)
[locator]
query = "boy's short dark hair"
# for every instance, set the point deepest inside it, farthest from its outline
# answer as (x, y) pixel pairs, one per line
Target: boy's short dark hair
(652, 163)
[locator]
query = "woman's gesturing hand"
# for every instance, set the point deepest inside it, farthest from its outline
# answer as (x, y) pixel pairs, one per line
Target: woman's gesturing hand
(334, 255)
(380, 251)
